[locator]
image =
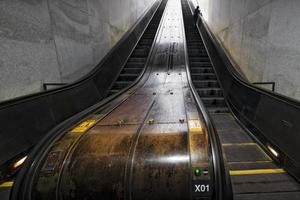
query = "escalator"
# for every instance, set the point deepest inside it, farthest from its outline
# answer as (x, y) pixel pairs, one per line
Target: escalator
(151, 137)
(202, 72)
(254, 174)
(150, 140)
(71, 99)
(137, 60)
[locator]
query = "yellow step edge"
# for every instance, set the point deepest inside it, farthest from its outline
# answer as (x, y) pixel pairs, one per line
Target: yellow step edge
(240, 144)
(256, 171)
(7, 184)
(84, 126)
(250, 162)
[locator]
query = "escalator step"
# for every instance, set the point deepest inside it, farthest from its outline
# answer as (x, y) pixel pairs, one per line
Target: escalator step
(210, 92)
(132, 70)
(135, 65)
(214, 101)
(137, 60)
(146, 41)
(127, 77)
(140, 53)
(205, 83)
(121, 84)
(218, 109)
(202, 70)
(199, 59)
(204, 76)
(200, 64)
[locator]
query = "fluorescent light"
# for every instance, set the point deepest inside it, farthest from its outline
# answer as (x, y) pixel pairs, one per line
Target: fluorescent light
(20, 162)
(273, 151)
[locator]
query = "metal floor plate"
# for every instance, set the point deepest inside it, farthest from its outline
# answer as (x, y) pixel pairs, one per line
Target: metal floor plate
(244, 152)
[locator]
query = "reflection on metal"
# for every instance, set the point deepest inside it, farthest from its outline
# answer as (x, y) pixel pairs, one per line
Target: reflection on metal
(170, 159)
(256, 171)
(273, 151)
(6, 184)
(20, 162)
(239, 144)
(48, 86)
(84, 126)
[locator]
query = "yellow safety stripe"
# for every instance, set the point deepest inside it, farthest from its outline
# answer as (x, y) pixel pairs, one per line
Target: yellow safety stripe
(7, 184)
(256, 171)
(84, 126)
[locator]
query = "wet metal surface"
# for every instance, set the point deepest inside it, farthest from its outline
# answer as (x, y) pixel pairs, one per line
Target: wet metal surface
(152, 145)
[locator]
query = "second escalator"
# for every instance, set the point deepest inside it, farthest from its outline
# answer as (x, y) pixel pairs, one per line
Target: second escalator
(137, 60)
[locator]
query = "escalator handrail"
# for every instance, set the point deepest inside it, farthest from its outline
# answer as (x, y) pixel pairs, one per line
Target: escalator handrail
(221, 173)
(34, 158)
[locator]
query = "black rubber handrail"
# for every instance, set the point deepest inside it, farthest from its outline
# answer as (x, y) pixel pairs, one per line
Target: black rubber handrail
(23, 185)
(25, 120)
(223, 187)
(271, 118)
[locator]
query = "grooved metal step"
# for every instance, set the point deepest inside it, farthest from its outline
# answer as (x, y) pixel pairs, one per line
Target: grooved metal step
(209, 92)
(132, 70)
(199, 59)
(218, 109)
(202, 70)
(214, 101)
(134, 65)
(205, 83)
(199, 64)
(204, 76)
(127, 77)
(137, 60)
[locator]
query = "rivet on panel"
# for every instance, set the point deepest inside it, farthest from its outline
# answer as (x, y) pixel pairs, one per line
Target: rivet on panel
(120, 122)
(151, 121)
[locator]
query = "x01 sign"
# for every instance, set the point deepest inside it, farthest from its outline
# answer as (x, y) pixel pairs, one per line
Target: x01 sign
(201, 188)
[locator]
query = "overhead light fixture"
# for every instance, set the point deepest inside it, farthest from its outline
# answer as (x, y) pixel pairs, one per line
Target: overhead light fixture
(273, 151)
(20, 162)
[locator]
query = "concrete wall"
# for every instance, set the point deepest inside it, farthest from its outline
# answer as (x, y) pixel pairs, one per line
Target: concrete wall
(58, 40)
(262, 37)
